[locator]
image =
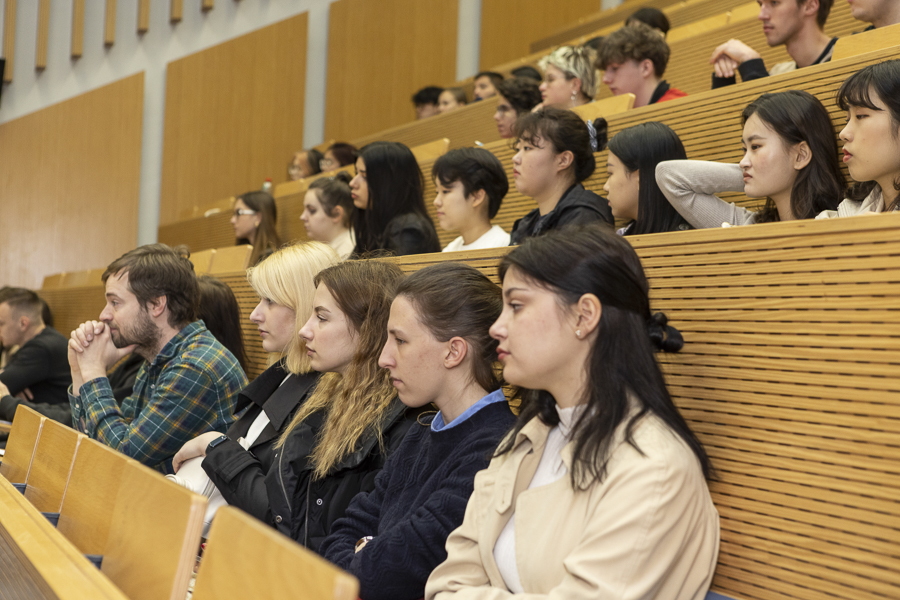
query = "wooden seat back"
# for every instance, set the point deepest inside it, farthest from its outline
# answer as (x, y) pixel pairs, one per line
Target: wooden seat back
(23, 439)
(202, 260)
(52, 464)
(53, 282)
(87, 278)
(154, 536)
(787, 376)
(230, 258)
(431, 151)
(90, 500)
(867, 41)
(245, 559)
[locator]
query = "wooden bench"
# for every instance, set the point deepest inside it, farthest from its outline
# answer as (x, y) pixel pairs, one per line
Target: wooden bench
(51, 466)
(246, 559)
(867, 41)
(23, 438)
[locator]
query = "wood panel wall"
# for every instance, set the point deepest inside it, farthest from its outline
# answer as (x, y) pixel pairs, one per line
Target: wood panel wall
(234, 116)
(379, 53)
(509, 26)
(70, 183)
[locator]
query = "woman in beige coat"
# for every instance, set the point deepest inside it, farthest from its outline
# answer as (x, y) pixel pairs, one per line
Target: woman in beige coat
(600, 490)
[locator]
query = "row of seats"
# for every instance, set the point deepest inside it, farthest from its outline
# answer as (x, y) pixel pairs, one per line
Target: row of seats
(142, 528)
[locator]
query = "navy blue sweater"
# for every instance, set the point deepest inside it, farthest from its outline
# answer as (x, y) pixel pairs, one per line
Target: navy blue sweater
(419, 498)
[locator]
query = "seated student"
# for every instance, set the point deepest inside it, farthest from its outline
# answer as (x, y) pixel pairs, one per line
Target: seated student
(631, 185)
(878, 13)
(516, 96)
(305, 164)
(528, 72)
(486, 84)
(790, 158)
(38, 373)
(387, 190)
(797, 24)
(328, 211)
(438, 352)
(600, 489)
(471, 184)
(653, 17)
(569, 77)
(339, 154)
(426, 101)
(633, 60)
(284, 284)
(871, 139)
(553, 156)
(190, 383)
(341, 437)
(255, 222)
(451, 98)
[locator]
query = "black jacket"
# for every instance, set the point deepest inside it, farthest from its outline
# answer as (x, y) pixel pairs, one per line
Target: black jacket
(577, 206)
(306, 509)
(240, 474)
(410, 233)
(42, 366)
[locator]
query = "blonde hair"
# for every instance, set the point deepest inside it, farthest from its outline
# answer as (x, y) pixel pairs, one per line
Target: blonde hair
(356, 403)
(575, 62)
(287, 278)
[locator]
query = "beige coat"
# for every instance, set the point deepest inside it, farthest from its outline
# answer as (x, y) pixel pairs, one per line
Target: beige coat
(650, 530)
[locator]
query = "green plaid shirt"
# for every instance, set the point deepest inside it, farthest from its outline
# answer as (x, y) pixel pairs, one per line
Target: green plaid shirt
(190, 388)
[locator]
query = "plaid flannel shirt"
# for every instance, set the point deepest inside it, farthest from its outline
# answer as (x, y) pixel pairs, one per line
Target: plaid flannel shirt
(190, 388)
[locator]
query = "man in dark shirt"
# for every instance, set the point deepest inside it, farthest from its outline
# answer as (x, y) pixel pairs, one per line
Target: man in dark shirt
(39, 372)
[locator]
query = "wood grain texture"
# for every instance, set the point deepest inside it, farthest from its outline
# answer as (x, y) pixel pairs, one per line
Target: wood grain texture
(868, 41)
(43, 35)
(77, 28)
(23, 437)
(74, 170)
(509, 26)
(380, 52)
(53, 457)
(267, 566)
(226, 127)
(9, 39)
(109, 29)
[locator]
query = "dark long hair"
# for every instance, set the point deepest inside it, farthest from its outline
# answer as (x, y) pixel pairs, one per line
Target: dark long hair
(220, 312)
(395, 188)
(590, 260)
(565, 131)
(266, 240)
(884, 80)
(798, 116)
(452, 299)
(641, 148)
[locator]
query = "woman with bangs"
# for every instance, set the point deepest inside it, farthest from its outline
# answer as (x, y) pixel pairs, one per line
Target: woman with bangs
(554, 154)
(790, 159)
(237, 462)
(871, 139)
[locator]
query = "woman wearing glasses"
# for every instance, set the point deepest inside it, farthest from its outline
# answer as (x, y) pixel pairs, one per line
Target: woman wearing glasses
(254, 221)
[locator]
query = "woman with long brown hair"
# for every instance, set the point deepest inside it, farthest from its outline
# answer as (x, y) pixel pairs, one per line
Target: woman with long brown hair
(254, 220)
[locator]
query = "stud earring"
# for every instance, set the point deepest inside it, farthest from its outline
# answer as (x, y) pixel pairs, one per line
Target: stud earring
(578, 333)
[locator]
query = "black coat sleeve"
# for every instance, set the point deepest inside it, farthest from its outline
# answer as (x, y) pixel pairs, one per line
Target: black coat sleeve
(28, 366)
(240, 477)
(61, 413)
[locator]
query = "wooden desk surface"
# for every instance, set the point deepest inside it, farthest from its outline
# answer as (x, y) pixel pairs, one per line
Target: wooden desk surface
(36, 561)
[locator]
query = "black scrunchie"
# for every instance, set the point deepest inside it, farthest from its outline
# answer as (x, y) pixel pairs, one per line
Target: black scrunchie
(664, 336)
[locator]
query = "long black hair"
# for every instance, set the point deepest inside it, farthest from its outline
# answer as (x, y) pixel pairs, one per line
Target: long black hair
(641, 148)
(798, 116)
(590, 260)
(395, 187)
(884, 80)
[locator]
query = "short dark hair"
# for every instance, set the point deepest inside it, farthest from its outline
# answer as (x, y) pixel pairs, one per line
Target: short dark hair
(427, 95)
(566, 131)
(824, 11)
(333, 192)
(157, 270)
(344, 153)
(22, 301)
(495, 77)
(653, 17)
(594, 43)
(477, 169)
(522, 93)
(527, 72)
(637, 42)
(459, 94)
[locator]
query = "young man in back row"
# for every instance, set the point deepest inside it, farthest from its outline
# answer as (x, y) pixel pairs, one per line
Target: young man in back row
(188, 385)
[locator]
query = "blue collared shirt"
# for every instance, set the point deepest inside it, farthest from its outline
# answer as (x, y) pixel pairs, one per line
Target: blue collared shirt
(437, 424)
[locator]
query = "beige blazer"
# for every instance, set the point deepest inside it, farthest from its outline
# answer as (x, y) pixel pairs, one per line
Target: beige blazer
(649, 530)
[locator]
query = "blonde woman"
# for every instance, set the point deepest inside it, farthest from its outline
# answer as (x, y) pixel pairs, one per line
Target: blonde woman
(284, 283)
(569, 77)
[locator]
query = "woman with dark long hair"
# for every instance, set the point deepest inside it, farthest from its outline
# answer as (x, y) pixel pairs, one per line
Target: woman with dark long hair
(255, 220)
(790, 158)
(871, 139)
(631, 183)
(388, 190)
(600, 489)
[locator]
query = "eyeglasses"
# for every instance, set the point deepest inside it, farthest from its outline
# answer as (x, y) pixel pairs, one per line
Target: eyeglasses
(243, 211)
(327, 163)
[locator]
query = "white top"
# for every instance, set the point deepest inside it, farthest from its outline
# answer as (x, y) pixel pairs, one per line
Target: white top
(690, 187)
(549, 470)
(494, 238)
(344, 244)
(873, 203)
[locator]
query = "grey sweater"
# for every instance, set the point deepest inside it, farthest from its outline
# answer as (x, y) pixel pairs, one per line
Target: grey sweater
(691, 185)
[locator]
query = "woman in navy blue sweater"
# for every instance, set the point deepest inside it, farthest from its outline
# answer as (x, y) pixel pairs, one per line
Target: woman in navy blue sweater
(438, 351)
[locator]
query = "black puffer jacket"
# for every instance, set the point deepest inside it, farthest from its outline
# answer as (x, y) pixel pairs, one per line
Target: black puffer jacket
(576, 207)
